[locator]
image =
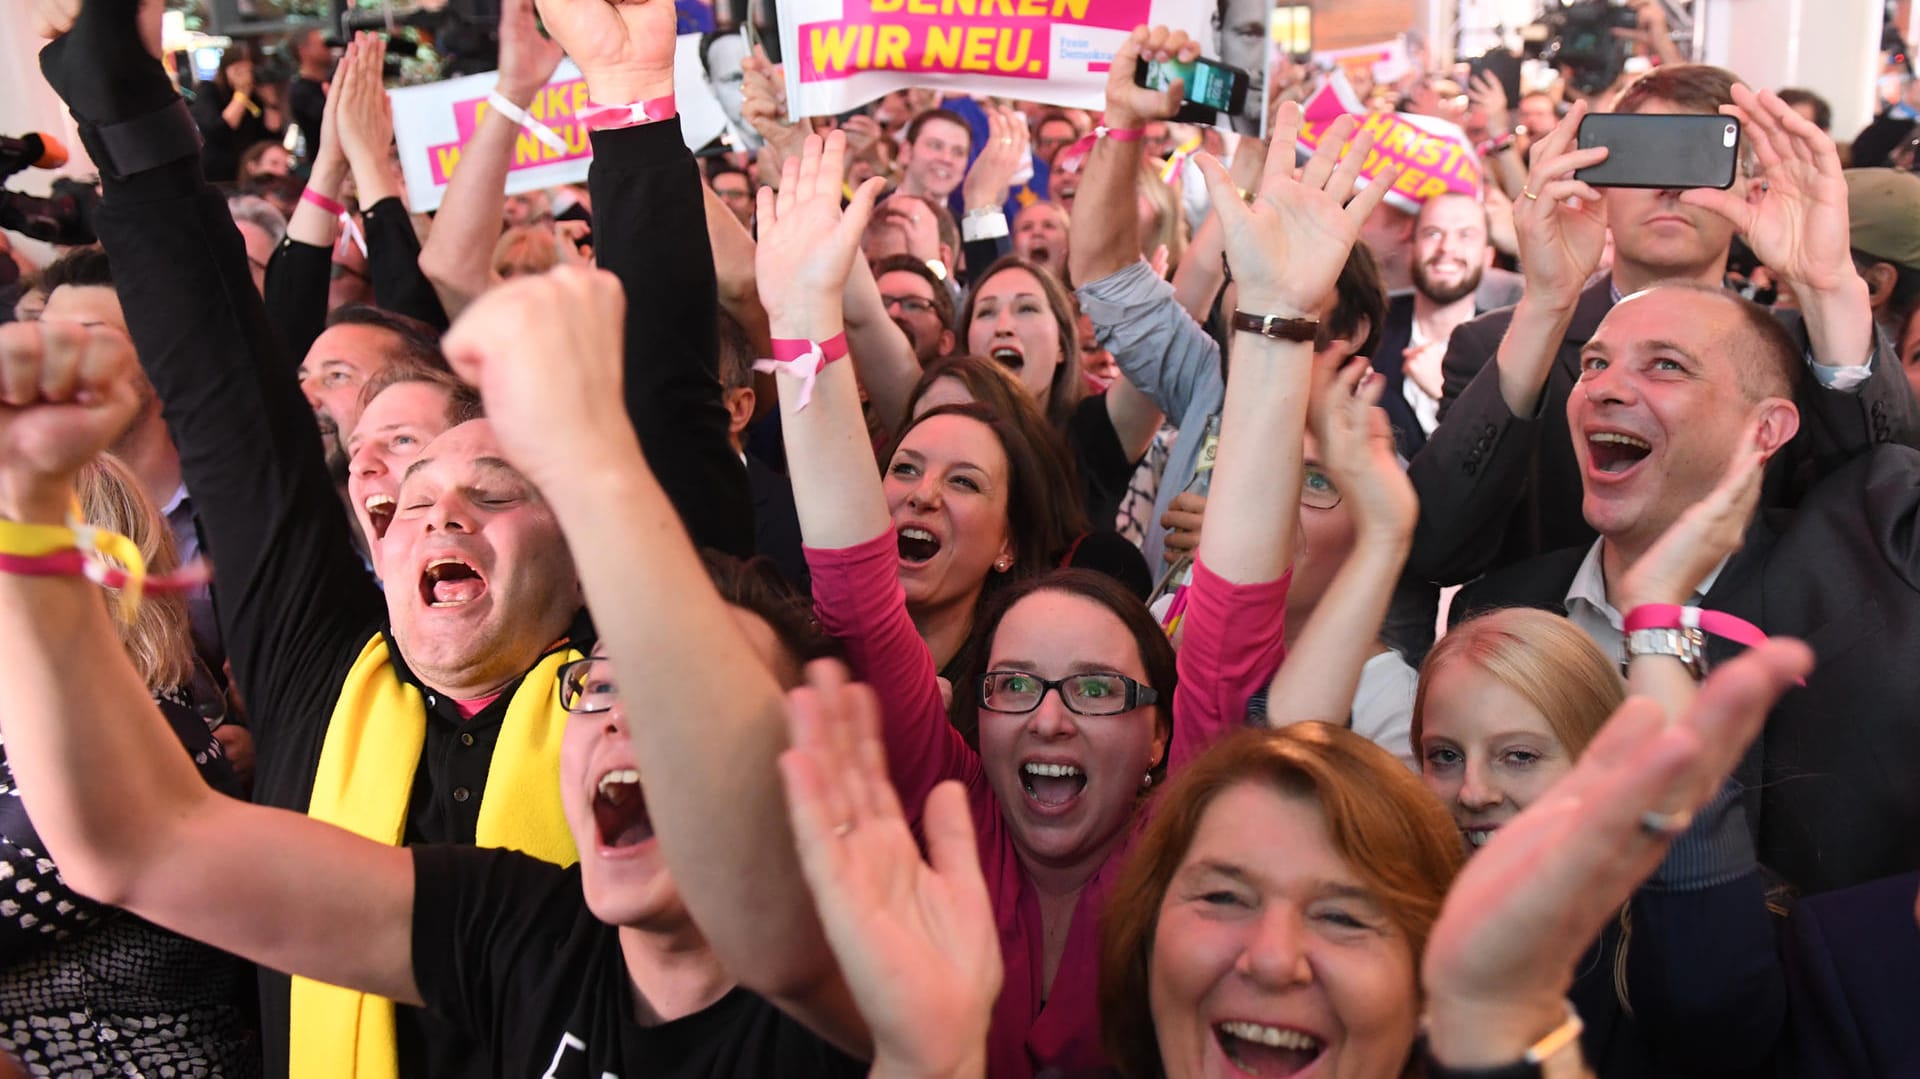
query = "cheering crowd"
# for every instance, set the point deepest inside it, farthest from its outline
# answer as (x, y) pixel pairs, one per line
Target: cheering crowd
(582, 672)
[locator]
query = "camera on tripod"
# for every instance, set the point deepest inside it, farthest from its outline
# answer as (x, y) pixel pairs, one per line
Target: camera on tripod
(1580, 38)
(63, 217)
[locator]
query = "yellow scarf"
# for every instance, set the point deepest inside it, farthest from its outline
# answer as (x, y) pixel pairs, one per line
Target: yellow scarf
(364, 783)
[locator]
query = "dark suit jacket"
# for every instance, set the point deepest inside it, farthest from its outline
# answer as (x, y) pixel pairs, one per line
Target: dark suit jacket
(1389, 358)
(1853, 963)
(1833, 781)
(1496, 489)
(776, 523)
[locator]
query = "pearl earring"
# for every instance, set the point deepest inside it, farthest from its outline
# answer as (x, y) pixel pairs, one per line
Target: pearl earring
(1147, 782)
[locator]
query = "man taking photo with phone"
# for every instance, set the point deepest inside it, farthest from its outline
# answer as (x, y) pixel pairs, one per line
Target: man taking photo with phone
(1500, 469)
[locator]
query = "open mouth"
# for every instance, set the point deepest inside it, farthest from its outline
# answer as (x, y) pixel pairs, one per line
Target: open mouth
(1478, 837)
(1009, 357)
(917, 545)
(620, 810)
(379, 513)
(1259, 1049)
(1615, 454)
(1052, 785)
(1040, 253)
(451, 582)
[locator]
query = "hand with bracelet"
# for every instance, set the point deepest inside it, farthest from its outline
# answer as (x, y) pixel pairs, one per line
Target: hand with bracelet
(624, 49)
(1287, 247)
(990, 177)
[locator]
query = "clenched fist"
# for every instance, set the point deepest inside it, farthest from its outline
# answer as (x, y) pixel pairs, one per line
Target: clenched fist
(66, 392)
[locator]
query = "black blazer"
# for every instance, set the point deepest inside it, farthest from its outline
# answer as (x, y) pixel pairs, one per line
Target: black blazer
(1833, 781)
(1389, 358)
(1853, 963)
(776, 523)
(1497, 489)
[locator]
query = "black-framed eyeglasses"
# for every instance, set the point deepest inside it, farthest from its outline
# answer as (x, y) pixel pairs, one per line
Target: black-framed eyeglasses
(912, 305)
(587, 685)
(1093, 693)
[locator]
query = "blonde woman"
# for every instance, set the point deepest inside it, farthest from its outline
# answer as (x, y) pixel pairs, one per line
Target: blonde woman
(85, 987)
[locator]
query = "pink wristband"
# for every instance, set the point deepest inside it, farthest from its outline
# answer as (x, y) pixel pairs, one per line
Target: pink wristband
(600, 117)
(1672, 616)
(1119, 134)
(804, 360)
(325, 203)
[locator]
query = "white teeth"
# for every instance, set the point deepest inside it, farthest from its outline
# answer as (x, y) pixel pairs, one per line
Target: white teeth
(1479, 836)
(1276, 1037)
(438, 562)
(1008, 354)
(1055, 771)
(378, 502)
(1621, 440)
(615, 779)
(917, 534)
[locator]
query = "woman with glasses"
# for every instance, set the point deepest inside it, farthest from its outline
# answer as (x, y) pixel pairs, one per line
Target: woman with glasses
(62, 956)
(1070, 707)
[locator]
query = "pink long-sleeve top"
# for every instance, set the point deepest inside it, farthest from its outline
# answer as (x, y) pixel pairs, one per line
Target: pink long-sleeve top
(858, 598)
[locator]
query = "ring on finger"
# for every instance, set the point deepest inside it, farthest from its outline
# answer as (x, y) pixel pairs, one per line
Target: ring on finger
(1528, 192)
(1665, 825)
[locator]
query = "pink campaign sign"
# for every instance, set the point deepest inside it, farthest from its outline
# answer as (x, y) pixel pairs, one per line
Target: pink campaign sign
(558, 106)
(1006, 38)
(1433, 155)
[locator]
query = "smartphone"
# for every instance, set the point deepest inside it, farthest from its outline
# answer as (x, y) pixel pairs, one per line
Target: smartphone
(1661, 150)
(1211, 86)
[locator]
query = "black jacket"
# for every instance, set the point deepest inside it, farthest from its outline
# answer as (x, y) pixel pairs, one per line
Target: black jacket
(1496, 489)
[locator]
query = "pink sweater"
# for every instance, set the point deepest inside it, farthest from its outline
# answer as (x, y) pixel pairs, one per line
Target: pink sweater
(858, 598)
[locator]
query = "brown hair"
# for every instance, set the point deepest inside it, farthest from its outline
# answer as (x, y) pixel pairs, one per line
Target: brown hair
(1156, 652)
(413, 340)
(1765, 358)
(1381, 820)
(1540, 655)
(755, 585)
(463, 401)
(1043, 499)
(1066, 389)
(525, 250)
(1694, 88)
(942, 298)
(159, 639)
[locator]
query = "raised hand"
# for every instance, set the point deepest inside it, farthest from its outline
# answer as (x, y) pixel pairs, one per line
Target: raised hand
(763, 104)
(550, 418)
(1702, 537)
(1501, 957)
(1356, 449)
(1486, 92)
(1560, 222)
(364, 119)
(104, 61)
(1798, 224)
(66, 392)
(990, 177)
(916, 942)
(807, 244)
(624, 47)
(1129, 106)
(1286, 250)
(527, 58)
(1249, 163)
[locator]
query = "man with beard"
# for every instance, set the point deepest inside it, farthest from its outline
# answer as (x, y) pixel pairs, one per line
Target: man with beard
(1450, 255)
(359, 343)
(918, 303)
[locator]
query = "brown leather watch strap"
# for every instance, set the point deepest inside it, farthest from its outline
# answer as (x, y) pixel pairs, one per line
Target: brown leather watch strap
(1276, 327)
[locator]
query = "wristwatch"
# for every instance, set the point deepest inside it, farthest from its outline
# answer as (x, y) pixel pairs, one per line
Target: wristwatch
(1277, 327)
(1684, 643)
(1556, 1056)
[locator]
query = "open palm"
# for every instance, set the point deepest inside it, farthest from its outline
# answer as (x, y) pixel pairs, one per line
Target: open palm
(1287, 249)
(916, 942)
(807, 243)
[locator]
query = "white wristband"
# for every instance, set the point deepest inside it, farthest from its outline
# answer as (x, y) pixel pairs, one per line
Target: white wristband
(498, 102)
(983, 224)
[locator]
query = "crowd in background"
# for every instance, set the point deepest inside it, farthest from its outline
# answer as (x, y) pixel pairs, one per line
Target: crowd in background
(966, 587)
